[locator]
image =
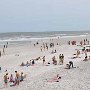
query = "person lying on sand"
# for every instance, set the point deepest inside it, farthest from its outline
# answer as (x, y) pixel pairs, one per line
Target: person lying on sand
(53, 51)
(27, 64)
(75, 56)
(54, 79)
(38, 58)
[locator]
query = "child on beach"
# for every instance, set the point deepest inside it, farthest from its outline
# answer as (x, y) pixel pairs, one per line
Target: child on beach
(14, 82)
(11, 78)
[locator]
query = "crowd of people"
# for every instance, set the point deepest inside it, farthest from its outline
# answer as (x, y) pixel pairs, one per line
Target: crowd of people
(19, 77)
(14, 80)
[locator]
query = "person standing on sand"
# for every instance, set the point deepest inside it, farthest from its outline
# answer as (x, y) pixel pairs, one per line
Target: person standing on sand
(0, 53)
(17, 77)
(47, 48)
(41, 48)
(54, 60)
(4, 46)
(4, 51)
(59, 58)
(78, 53)
(62, 58)
(6, 79)
(43, 59)
(33, 62)
(21, 77)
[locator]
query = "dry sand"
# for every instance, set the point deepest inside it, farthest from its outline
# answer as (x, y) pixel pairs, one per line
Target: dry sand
(37, 75)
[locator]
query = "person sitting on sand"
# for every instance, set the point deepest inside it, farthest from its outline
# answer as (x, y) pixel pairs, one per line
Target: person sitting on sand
(11, 78)
(33, 62)
(67, 66)
(27, 64)
(22, 64)
(53, 51)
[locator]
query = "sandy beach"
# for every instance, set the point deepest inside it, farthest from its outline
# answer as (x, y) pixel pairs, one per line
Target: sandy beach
(38, 75)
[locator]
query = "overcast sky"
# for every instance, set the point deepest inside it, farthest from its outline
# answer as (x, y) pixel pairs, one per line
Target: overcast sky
(44, 15)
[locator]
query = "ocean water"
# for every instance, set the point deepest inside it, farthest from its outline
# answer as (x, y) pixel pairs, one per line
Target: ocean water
(21, 37)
